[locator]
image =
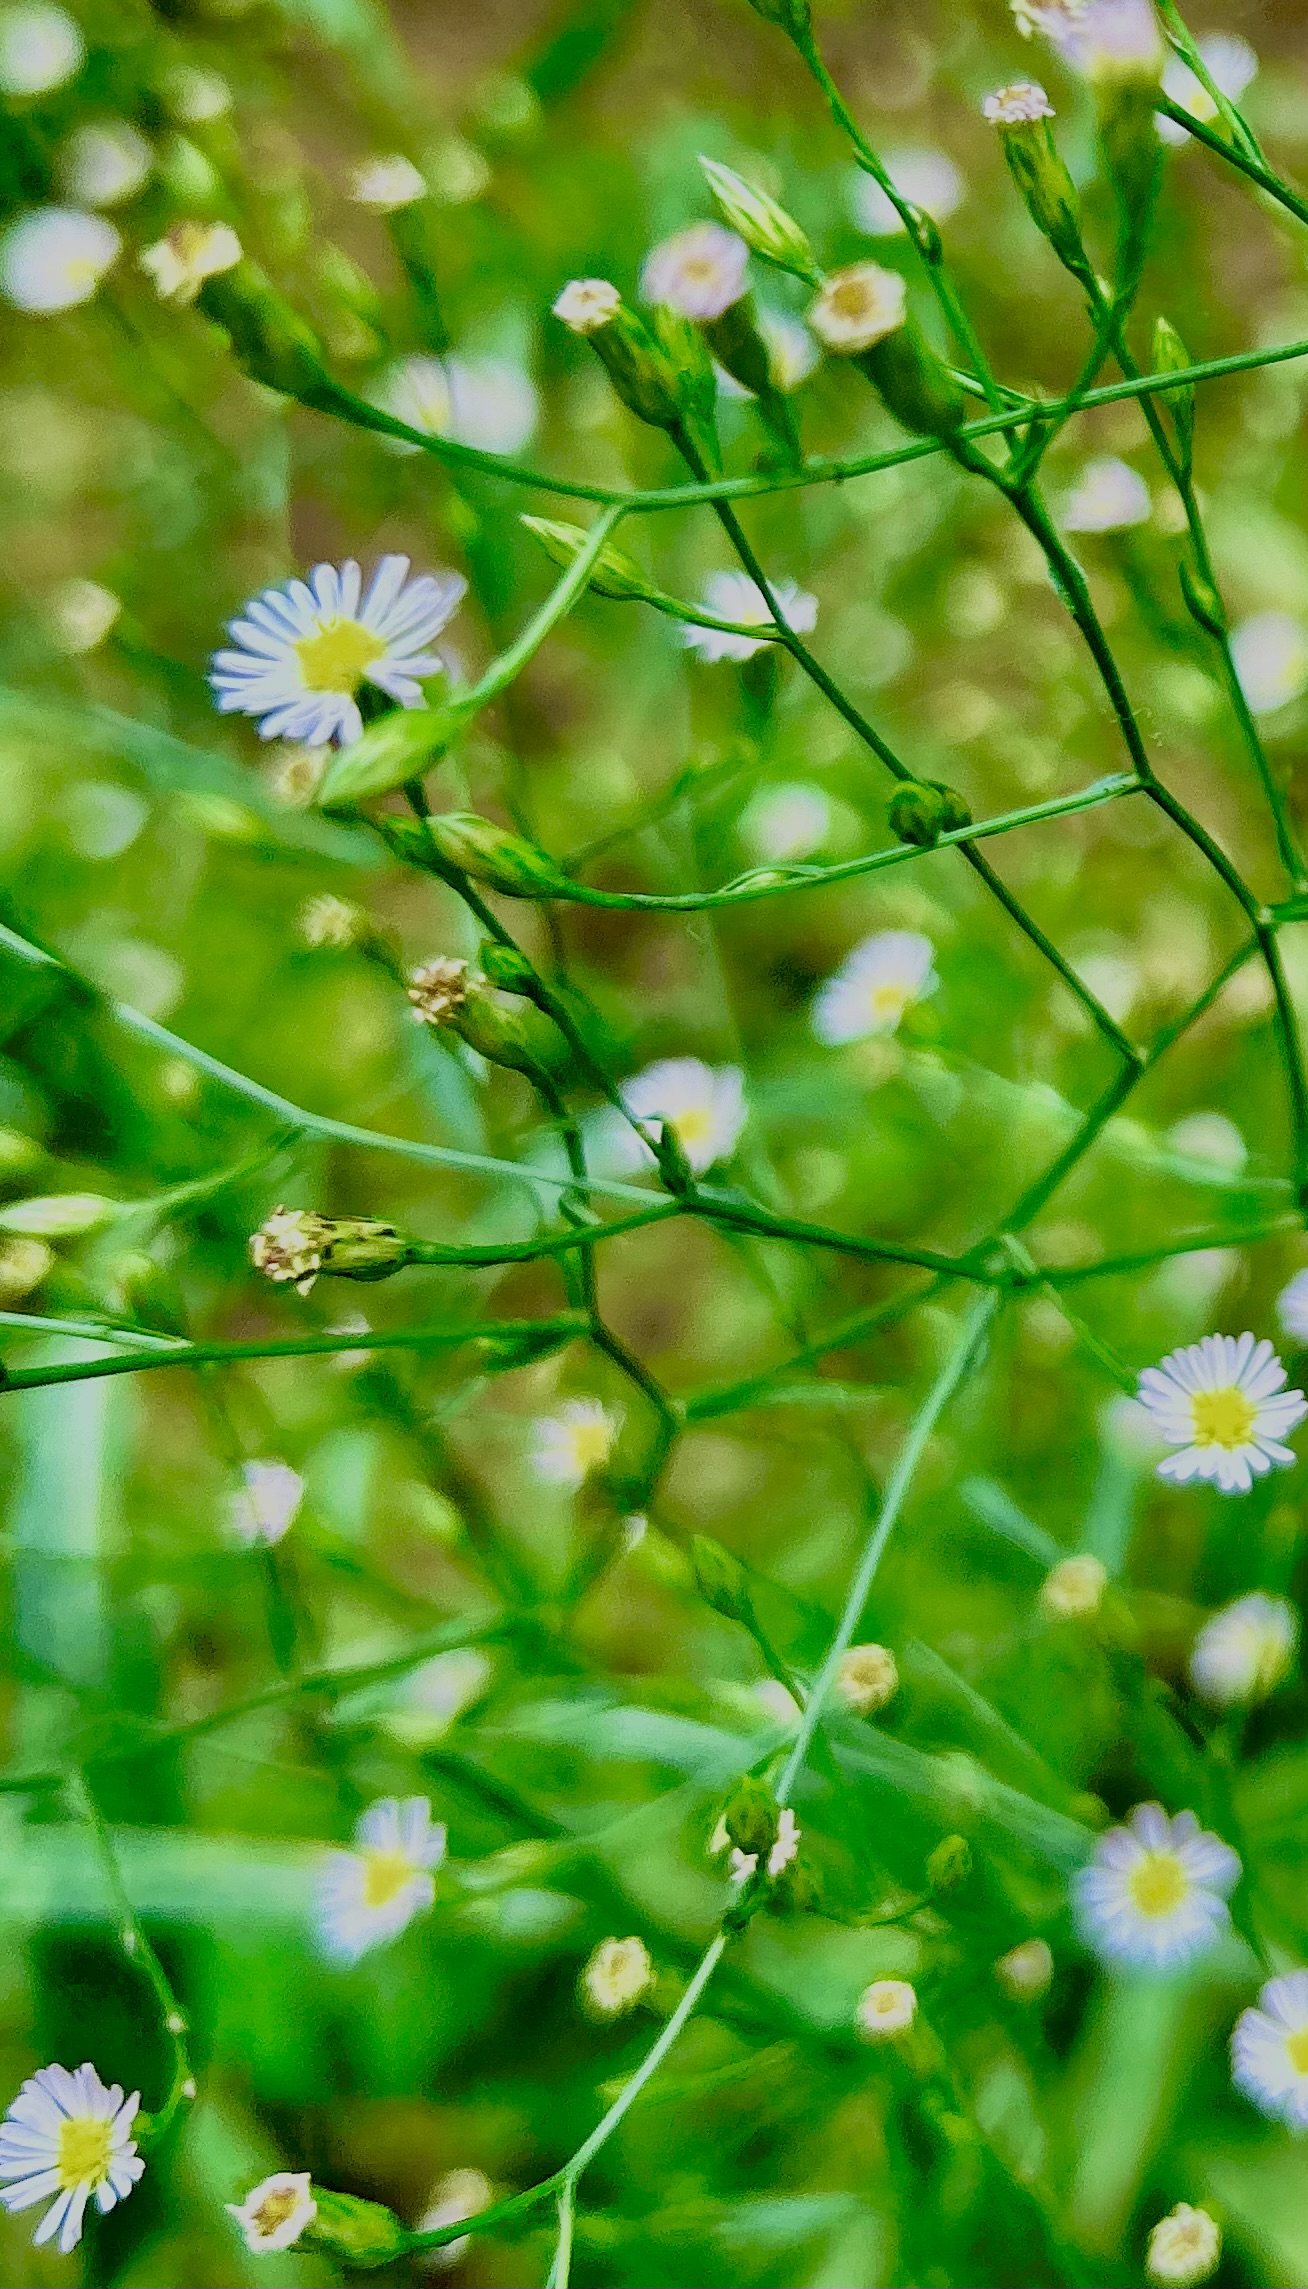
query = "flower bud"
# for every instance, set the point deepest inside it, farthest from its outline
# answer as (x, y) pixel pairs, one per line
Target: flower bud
(766, 228)
(60, 1215)
(491, 854)
(617, 1976)
(615, 575)
(518, 1038)
(270, 341)
(921, 810)
(295, 1244)
(1073, 1590)
(862, 313)
(1133, 157)
(867, 1679)
(1022, 114)
(950, 1864)
(720, 1578)
(636, 363)
(749, 1817)
(1171, 357)
(398, 747)
(362, 2233)
(508, 968)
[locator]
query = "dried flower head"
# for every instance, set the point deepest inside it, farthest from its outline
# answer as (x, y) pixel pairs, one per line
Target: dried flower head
(439, 988)
(867, 1679)
(858, 307)
(289, 1245)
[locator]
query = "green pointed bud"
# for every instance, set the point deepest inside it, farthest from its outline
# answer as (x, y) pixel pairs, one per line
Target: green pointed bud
(768, 231)
(491, 854)
(361, 2233)
(686, 351)
(916, 385)
(615, 575)
(398, 747)
(518, 1038)
(674, 1168)
(1202, 600)
(1172, 357)
(750, 1816)
(60, 1215)
(950, 1864)
(720, 1578)
(270, 341)
(508, 968)
(1022, 113)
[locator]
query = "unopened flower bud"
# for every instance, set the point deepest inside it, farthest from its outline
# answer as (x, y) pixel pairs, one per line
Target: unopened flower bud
(1022, 114)
(1026, 1970)
(294, 1245)
(1172, 357)
(888, 2007)
(450, 995)
(922, 810)
(615, 575)
(862, 314)
(950, 1864)
(59, 1215)
(720, 1578)
(749, 1817)
(1184, 2249)
(616, 1977)
(362, 2233)
(636, 363)
(491, 854)
(508, 968)
(867, 1679)
(270, 341)
(766, 228)
(1074, 1589)
(190, 252)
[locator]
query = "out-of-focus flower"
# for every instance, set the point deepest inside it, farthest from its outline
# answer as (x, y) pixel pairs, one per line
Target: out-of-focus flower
(457, 171)
(486, 402)
(1074, 1589)
(734, 596)
(295, 775)
(23, 1265)
(460, 2194)
(195, 96)
(1292, 1307)
(1269, 2050)
(615, 1977)
(81, 614)
(1103, 39)
(1026, 1971)
(369, 1894)
(867, 1679)
(1245, 1651)
(103, 163)
(887, 2007)
(1184, 2248)
(190, 252)
(1270, 651)
(877, 981)
(67, 2136)
(386, 183)
(293, 1245)
(1019, 105)
(1210, 1137)
(780, 823)
(857, 307)
(568, 1446)
(53, 258)
(1108, 495)
(792, 353)
(305, 649)
(265, 1503)
(40, 48)
(926, 177)
(1231, 64)
(700, 272)
(1222, 1402)
(1155, 1892)
(586, 304)
(275, 2213)
(788, 1838)
(327, 921)
(703, 1105)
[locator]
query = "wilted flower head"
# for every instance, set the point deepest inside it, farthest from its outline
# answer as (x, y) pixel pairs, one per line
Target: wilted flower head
(275, 2213)
(1270, 651)
(1026, 1970)
(439, 988)
(190, 252)
(289, 1246)
(66, 2136)
(1223, 1403)
(857, 307)
(734, 596)
(1108, 496)
(386, 183)
(40, 48)
(867, 1679)
(1074, 1589)
(1154, 1894)
(1245, 1651)
(877, 982)
(53, 258)
(104, 162)
(887, 2007)
(370, 1893)
(700, 271)
(586, 304)
(578, 1440)
(1269, 2051)
(1017, 105)
(1230, 63)
(1184, 2248)
(615, 1977)
(266, 1502)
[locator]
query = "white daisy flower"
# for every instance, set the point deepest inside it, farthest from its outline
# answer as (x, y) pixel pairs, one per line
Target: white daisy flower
(1154, 1894)
(307, 647)
(615, 1977)
(1019, 104)
(263, 1507)
(734, 596)
(1269, 2051)
(927, 177)
(858, 306)
(1270, 651)
(876, 983)
(385, 184)
(568, 1446)
(700, 271)
(53, 258)
(275, 2213)
(190, 252)
(103, 163)
(1184, 2248)
(1222, 1402)
(40, 48)
(1245, 1651)
(1108, 496)
(1292, 1307)
(887, 2007)
(703, 1105)
(791, 821)
(487, 402)
(66, 2135)
(1231, 64)
(369, 1894)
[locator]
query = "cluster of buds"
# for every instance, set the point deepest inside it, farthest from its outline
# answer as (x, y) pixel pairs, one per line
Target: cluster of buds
(922, 810)
(1117, 45)
(294, 1245)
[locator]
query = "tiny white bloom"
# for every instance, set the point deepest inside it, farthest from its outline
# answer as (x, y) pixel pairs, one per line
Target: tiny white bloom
(927, 177)
(264, 1505)
(1026, 1970)
(1223, 1403)
(1184, 2248)
(180, 262)
(791, 821)
(81, 614)
(857, 307)
(586, 304)
(387, 183)
(66, 2135)
(1292, 1307)
(741, 1866)
(615, 1977)
(1073, 1590)
(1103, 39)
(786, 1845)
(194, 96)
(700, 271)
(369, 1894)
(703, 1105)
(568, 1446)
(40, 48)
(1245, 1651)
(275, 2213)
(53, 258)
(792, 351)
(887, 2007)
(1020, 104)
(1269, 2050)
(867, 1679)
(734, 596)
(1154, 1894)
(306, 648)
(876, 983)
(460, 2194)
(1270, 651)
(487, 402)
(1210, 1137)
(103, 163)
(1231, 64)
(1108, 496)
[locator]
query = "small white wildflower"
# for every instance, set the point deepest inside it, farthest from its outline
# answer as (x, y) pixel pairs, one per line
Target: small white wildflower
(1108, 496)
(460, 2194)
(103, 163)
(857, 307)
(384, 184)
(262, 1508)
(369, 1894)
(180, 262)
(1245, 1651)
(887, 2007)
(275, 2213)
(81, 614)
(1223, 1403)
(1269, 2051)
(792, 351)
(53, 258)
(67, 2135)
(1026, 1970)
(734, 596)
(1210, 1137)
(786, 1845)
(1270, 651)
(568, 1446)
(1292, 1307)
(615, 1977)
(928, 178)
(306, 648)
(40, 48)
(328, 921)
(1103, 39)
(876, 983)
(867, 1679)
(703, 1105)
(787, 822)
(1073, 1590)
(195, 96)
(438, 989)
(1184, 2248)
(486, 402)
(1154, 1894)
(1231, 64)
(1018, 105)
(700, 271)
(288, 1247)
(586, 304)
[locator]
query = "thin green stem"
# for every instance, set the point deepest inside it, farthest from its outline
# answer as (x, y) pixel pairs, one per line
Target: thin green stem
(136, 1946)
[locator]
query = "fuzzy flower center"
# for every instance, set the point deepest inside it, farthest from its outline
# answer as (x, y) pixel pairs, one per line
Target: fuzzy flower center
(275, 2208)
(1158, 1884)
(338, 655)
(890, 999)
(693, 1127)
(85, 2146)
(1222, 1418)
(589, 1443)
(1296, 2050)
(385, 1876)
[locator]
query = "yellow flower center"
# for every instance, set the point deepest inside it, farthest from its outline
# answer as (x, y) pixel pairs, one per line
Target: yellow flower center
(275, 2208)
(851, 299)
(385, 1876)
(889, 1001)
(693, 1127)
(1222, 1418)
(85, 2146)
(1158, 1883)
(590, 1444)
(336, 655)
(1296, 2050)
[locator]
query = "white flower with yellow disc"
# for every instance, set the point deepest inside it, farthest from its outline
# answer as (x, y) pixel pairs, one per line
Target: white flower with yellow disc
(369, 1894)
(66, 2139)
(1222, 1402)
(1154, 1894)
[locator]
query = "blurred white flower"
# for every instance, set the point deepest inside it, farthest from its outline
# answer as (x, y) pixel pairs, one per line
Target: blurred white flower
(81, 614)
(1210, 1137)
(460, 2194)
(700, 271)
(275, 2213)
(887, 2007)
(1184, 2248)
(1073, 1590)
(457, 171)
(1223, 1404)
(1019, 104)
(1154, 1894)
(858, 306)
(53, 258)
(1231, 64)
(1269, 2051)
(40, 48)
(925, 176)
(786, 822)
(1103, 39)
(490, 403)
(568, 1446)
(586, 304)
(369, 1894)
(1026, 1971)
(190, 252)
(877, 981)
(384, 184)
(615, 1977)
(867, 1679)
(264, 1505)
(103, 163)
(1245, 1651)
(305, 650)
(66, 2135)
(1292, 1307)
(703, 1105)
(1108, 496)
(792, 352)
(734, 596)
(786, 1845)
(194, 96)
(1270, 651)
